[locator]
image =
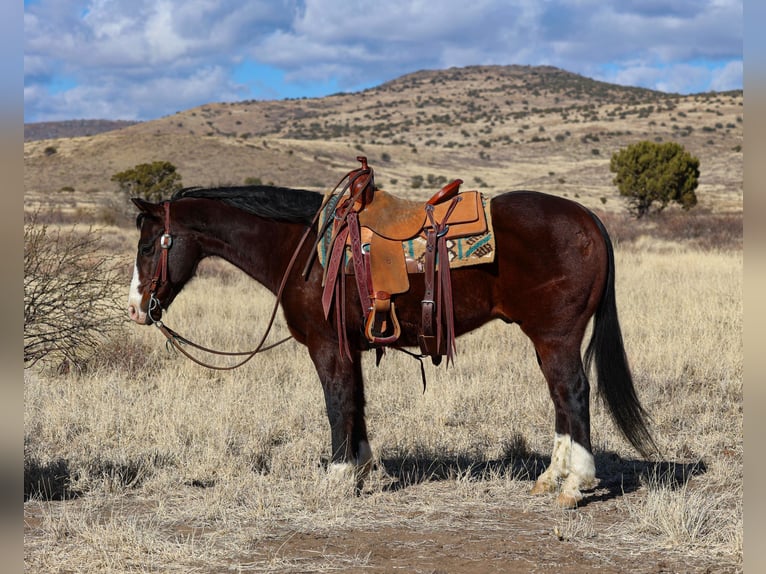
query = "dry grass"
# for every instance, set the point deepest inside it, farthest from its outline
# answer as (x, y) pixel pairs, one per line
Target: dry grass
(163, 465)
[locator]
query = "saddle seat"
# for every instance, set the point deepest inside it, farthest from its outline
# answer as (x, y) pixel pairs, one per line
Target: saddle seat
(394, 217)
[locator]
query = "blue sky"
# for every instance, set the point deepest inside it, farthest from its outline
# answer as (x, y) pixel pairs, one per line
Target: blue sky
(144, 59)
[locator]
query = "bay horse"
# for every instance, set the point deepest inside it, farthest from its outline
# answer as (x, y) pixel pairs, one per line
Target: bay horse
(553, 271)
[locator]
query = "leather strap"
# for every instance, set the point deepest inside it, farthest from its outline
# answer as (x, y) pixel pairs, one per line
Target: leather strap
(166, 241)
(336, 257)
(428, 304)
(361, 265)
(440, 306)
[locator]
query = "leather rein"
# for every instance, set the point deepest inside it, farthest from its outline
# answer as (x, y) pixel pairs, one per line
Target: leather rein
(175, 339)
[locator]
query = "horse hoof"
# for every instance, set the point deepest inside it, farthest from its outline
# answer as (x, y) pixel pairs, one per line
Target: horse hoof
(568, 501)
(542, 487)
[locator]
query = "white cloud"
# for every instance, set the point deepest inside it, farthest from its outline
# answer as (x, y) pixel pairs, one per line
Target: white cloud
(581, 36)
(729, 77)
(678, 78)
(163, 43)
(113, 98)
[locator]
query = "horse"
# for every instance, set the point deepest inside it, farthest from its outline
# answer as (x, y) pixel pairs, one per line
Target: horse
(553, 272)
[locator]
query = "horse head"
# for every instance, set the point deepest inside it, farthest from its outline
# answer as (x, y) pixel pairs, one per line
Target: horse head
(166, 259)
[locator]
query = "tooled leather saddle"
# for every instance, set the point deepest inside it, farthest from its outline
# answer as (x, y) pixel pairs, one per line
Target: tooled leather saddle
(367, 227)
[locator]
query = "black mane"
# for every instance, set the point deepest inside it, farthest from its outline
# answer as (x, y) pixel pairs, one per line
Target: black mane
(270, 202)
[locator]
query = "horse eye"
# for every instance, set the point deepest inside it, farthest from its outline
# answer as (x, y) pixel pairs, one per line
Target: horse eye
(147, 249)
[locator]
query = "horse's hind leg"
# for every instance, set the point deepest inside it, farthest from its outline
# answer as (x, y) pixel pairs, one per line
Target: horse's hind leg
(571, 459)
(343, 387)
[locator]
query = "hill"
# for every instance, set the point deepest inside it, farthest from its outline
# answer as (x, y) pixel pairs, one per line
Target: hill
(71, 128)
(496, 127)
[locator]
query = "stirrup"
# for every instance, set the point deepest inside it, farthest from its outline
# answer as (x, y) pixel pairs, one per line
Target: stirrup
(381, 321)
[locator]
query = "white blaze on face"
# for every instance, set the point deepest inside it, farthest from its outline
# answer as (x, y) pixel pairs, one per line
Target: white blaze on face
(134, 300)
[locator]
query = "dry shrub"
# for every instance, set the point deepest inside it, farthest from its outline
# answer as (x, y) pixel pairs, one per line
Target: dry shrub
(700, 230)
(63, 479)
(70, 298)
(125, 354)
(688, 514)
(705, 231)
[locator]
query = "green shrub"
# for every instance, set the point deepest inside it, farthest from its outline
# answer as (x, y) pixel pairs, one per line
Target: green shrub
(151, 181)
(649, 173)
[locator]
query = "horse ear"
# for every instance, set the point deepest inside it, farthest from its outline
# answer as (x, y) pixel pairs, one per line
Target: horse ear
(145, 206)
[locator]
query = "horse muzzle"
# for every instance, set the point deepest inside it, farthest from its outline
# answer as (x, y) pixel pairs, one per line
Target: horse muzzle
(144, 307)
(144, 310)
(137, 315)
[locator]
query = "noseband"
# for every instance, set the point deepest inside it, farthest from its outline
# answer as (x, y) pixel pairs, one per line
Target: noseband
(161, 273)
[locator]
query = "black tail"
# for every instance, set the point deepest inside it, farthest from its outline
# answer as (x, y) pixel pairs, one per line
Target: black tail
(615, 383)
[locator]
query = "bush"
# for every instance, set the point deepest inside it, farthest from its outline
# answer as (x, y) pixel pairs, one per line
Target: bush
(151, 181)
(70, 300)
(652, 173)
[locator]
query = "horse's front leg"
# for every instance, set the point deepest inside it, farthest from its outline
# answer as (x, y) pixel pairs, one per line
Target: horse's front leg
(343, 387)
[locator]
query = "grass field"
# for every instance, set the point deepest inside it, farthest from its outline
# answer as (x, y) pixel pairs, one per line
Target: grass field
(147, 462)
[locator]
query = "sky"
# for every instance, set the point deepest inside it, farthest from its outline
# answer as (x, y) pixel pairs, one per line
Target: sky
(145, 59)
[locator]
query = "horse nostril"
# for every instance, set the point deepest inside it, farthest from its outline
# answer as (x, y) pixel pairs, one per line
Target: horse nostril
(132, 313)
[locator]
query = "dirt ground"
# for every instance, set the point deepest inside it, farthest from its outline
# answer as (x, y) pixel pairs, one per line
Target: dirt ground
(476, 537)
(512, 541)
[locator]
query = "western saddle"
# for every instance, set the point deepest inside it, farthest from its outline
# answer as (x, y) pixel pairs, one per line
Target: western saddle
(368, 228)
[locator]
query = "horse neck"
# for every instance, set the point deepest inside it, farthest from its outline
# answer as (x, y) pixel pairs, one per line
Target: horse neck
(260, 247)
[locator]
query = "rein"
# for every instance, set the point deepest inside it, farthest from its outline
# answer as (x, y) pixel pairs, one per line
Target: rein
(359, 180)
(175, 339)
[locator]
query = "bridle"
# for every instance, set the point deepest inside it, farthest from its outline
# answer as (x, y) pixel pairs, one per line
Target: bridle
(161, 273)
(361, 177)
(175, 339)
